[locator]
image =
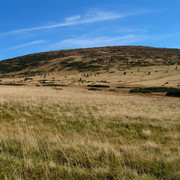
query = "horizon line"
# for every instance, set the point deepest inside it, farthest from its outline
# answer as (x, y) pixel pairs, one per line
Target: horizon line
(146, 46)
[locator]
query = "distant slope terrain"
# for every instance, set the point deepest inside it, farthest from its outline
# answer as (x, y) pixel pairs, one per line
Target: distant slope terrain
(104, 68)
(92, 59)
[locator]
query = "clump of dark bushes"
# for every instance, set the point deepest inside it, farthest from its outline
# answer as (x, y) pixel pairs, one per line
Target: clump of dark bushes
(173, 93)
(170, 91)
(82, 66)
(12, 84)
(98, 86)
(53, 84)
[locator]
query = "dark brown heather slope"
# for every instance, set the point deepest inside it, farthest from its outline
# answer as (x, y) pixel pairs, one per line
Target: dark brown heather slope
(92, 59)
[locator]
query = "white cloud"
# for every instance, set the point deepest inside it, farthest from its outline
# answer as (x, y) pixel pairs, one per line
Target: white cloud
(42, 27)
(90, 17)
(99, 41)
(95, 16)
(28, 44)
(73, 18)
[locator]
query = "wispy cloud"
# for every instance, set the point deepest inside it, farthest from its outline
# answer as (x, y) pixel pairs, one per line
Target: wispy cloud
(73, 18)
(89, 17)
(99, 41)
(42, 27)
(28, 44)
(96, 16)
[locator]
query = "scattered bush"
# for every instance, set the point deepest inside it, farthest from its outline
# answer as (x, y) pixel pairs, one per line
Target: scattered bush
(55, 88)
(26, 79)
(30, 73)
(94, 89)
(169, 90)
(53, 84)
(175, 93)
(140, 90)
(99, 86)
(104, 81)
(12, 84)
(43, 81)
(82, 66)
(112, 90)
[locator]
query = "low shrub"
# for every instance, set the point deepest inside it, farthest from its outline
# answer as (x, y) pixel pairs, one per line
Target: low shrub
(12, 84)
(112, 90)
(175, 93)
(140, 90)
(99, 85)
(54, 85)
(94, 89)
(170, 91)
(55, 88)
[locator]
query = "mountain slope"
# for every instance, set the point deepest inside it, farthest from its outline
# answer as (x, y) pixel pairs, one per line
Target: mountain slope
(92, 59)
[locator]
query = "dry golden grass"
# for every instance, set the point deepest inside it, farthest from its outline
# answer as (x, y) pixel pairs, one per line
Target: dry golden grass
(77, 134)
(167, 76)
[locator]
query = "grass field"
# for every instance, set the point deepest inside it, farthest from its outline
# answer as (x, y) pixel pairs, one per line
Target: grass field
(73, 133)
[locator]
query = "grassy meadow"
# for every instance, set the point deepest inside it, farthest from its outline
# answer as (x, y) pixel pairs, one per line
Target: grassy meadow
(73, 133)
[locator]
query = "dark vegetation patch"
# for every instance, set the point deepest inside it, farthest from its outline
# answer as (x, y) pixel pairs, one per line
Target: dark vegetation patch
(6, 76)
(50, 83)
(28, 79)
(152, 89)
(30, 73)
(98, 86)
(12, 84)
(94, 89)
(56, 88)
(54, 84)
(43, 81)
(66, 61)
(28, 61)
(104, 82)
(112, 90)
(175, 93)
(170, 91)
(83, 66)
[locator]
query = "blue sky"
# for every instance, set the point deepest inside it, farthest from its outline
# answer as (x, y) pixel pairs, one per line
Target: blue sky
(30, 26)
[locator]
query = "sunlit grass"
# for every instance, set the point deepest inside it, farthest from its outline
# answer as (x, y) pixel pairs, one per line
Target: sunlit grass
(88, 135)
